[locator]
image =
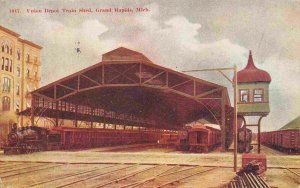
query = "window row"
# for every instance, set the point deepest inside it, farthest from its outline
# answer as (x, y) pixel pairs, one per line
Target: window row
(6, 49)
(28, 58)
(35, 73)
(257, 95)
(6, 104)
(7, 64)
(7, 86)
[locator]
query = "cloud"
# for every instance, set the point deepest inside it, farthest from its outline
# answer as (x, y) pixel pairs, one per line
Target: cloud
(61, 42)
(177, 38)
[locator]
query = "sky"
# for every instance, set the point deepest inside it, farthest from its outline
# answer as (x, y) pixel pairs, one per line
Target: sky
(181, 35)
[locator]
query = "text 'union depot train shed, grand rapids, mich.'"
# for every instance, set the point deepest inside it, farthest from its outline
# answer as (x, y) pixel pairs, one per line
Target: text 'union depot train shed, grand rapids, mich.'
(126, 88)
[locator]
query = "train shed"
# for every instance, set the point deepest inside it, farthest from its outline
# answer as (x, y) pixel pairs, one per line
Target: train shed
(126, 88)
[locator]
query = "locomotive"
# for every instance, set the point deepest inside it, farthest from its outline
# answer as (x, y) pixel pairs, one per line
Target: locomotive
(244, 140)
(31, 139)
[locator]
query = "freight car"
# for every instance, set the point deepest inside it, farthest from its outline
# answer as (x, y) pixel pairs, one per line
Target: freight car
(199, 138)
(31, 139)
(286, 139)
(283, 140)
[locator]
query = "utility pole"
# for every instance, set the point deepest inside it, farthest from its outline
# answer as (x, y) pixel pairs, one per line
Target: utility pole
(234, 84)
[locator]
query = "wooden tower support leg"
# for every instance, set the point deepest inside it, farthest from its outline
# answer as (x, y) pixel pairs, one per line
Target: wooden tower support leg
(258, 134)
(245, 132)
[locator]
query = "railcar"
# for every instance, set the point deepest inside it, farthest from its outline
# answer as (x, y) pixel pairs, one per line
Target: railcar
(199, 138)
(168, 139)
(283, 140)
(79, 138)
(31, 139)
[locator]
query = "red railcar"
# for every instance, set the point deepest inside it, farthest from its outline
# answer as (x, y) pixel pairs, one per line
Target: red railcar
(76, 138)
(284, 140)
(168, 139)
(200, 138)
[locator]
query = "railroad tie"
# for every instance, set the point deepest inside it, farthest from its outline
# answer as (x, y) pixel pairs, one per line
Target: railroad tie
(249, 180)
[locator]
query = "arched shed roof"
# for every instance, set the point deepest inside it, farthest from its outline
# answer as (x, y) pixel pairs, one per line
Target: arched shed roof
(126, 87)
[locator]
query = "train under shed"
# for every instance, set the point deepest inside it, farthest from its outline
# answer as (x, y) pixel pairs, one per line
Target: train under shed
(127, 88)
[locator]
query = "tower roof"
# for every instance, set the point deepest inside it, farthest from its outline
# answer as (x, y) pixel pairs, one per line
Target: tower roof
(252, 74)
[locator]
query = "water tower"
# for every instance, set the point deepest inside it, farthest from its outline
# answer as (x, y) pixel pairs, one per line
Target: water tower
(253, 94)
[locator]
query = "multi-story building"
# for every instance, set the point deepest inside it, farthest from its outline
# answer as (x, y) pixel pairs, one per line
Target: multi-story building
(19, 75)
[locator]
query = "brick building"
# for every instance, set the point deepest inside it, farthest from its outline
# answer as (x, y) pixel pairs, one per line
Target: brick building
(19, 75)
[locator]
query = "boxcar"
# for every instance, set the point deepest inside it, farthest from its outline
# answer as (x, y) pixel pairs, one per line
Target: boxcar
(284, 140)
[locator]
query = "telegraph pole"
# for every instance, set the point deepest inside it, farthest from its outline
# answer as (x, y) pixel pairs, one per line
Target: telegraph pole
(234, 84)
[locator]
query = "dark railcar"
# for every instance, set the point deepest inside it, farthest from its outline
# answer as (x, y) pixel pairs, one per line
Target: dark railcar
(78, 138)
(199, 138)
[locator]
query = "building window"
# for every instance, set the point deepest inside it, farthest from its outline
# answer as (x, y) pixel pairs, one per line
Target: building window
(3, 48)
(18, 71)
(28, 73)
(3, 62)
(10, 51)
(6, 64)
(18, 54)
(6, 103)
(18, 89)
(6, 84)
(7, 49)
(35, 74)
(17, 106)
(258, 95)
(27, 58)
(244, 95)
(10, 67)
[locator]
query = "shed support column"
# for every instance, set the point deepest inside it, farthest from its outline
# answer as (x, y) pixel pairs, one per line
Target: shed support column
(76, 111)
(223, 121)
(32, 110)
(92, 117)
(56, 114)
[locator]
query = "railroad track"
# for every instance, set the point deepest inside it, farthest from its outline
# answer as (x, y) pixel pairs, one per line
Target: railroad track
(65, 175)
(26, 170)
(164, 177)
(94, 176)
(297, 179)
